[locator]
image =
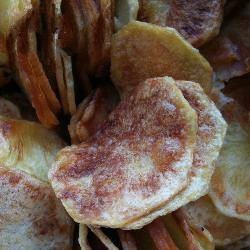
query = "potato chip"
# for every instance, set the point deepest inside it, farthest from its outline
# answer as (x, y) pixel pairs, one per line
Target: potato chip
(92, 112)
(32, 78)
(31, 216)
(185, 234)
(125, 12)
(127, 240)
(224, 230)
(141, 50)
(28, 146)
(137, 161)
(229, 53)
(230, 183)
(197, 21)
(210, 135)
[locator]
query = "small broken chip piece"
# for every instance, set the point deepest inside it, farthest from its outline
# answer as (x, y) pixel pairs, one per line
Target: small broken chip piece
(229, 53)
(197, 21)
(9, 109)
(230, 183)
(136, 162)
(225, 230)
(92, 112)
(142, 50)
(210, 136)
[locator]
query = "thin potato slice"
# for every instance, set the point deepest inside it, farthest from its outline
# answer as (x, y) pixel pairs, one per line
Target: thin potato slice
(141, 50)
(197, 21)
(229, 52)
(160, 235)
(225, 230)
(210, 135)
(26, 64)
(230, 183)
(92, 112)
(31, 216)
(28, 146)
(142, 153)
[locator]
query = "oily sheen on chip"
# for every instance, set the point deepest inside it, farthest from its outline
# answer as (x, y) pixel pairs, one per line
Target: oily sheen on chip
(136, 162)
(210, 135)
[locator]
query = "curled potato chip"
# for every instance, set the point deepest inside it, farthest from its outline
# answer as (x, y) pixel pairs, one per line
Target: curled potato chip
(197, 21)
(141, 50)
(25, 62)
(125, 12)
(31, 216)
(225, 230)
(210, 135)
(92, 112)
(229, 53)
(138, 160)
(230, 183)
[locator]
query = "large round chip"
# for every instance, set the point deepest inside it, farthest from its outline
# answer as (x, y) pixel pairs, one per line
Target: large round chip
(140, 51)
(197, 21)
(136, 162)
(31, 216)
(210, 135)
(224, 230)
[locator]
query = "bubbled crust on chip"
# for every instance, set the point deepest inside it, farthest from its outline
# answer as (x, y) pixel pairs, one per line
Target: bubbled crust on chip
(136, 162)
(225, 230)
(197, 20)
(31, 216)
(210, 135)
(140, 51)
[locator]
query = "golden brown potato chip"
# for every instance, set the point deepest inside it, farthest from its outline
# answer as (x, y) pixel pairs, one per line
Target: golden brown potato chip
(224, 230)
(92, 112)
(26, 64)
(210, 135)
(230, 183)
(141, 50)
(197, 21)
(137, 161)
(31, 216)
(229, 53)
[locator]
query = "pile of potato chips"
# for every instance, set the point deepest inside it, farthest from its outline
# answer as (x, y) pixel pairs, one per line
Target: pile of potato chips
(125, 124)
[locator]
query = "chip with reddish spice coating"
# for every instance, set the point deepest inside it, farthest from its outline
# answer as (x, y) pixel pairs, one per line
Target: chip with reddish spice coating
(136, 162)
(142, 50)
(210, 136)
(197, 20)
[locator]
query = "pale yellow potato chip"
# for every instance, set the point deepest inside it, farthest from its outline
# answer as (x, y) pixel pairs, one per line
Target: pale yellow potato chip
(28, 146)
(225, 230)
(137, 160)
(141, 50)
